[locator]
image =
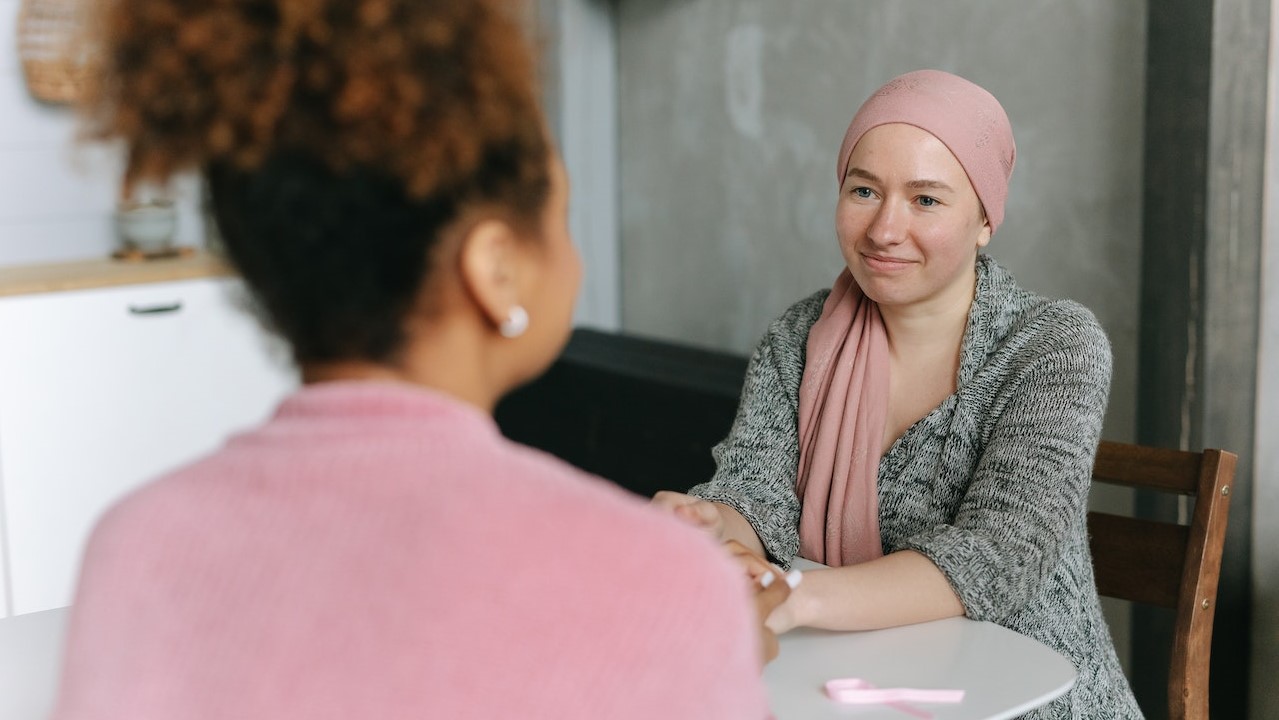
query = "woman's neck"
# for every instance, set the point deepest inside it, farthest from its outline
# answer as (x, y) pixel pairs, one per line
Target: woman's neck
(453, 365)
(933, 325)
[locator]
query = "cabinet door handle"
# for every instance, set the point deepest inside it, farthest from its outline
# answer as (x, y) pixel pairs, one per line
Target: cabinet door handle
(155, 309)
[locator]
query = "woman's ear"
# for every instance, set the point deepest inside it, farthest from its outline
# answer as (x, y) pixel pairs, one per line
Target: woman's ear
(488, 264)
(983, 235)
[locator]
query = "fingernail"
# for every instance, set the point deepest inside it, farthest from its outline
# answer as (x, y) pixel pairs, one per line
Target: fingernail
(793, 577)
(767, 579)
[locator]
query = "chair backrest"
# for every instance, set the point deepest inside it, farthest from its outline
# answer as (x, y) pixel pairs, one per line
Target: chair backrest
(1168, 564)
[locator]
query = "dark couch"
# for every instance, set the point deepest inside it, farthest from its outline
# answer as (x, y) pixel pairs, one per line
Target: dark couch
(643, 413)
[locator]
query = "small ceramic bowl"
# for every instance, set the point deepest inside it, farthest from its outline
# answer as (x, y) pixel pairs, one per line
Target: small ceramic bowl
(147, 227)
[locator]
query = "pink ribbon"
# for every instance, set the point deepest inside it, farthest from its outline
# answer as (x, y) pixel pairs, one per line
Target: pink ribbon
(855, 691)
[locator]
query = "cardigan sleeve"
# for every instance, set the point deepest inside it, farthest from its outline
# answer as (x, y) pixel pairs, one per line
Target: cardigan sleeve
(755, 465)
(1027, 499)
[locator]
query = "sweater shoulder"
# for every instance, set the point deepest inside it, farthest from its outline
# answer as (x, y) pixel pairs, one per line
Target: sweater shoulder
(1047, 325)
(785, 341)
(798, 319)
(1009, 315)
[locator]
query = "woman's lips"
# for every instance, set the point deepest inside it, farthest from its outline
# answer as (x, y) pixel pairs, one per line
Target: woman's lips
(880, 263)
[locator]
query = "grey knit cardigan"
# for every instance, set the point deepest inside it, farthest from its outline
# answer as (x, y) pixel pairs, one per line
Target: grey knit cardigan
(992, 485)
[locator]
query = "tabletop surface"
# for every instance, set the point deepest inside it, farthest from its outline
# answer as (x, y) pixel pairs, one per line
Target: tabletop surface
(30, 650)
(1002, 673)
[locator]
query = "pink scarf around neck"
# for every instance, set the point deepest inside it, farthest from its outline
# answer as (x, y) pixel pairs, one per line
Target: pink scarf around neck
(843, 405)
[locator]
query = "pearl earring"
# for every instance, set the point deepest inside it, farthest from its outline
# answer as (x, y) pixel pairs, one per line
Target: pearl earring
(515, 324)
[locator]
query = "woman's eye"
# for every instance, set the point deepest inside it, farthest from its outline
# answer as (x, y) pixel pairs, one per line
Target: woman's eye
(927, 201)
(862, 192)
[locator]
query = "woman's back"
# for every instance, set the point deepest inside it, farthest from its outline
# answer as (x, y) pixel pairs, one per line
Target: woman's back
(381, 551)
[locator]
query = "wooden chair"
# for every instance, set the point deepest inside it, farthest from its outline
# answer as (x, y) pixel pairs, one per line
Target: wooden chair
(1168, 564)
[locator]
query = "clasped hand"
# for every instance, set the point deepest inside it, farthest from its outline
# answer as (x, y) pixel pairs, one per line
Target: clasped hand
(771, 584)
(694, 511)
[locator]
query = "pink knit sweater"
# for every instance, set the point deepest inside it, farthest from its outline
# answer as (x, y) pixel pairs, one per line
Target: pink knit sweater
(378, 551)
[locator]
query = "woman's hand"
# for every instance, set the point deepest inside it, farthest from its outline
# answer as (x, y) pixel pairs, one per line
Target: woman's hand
(768, 599)
(723, 522)
(772, 590)
(694, 511)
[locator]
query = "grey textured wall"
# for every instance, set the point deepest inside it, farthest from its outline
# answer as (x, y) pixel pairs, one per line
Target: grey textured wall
(731, 111)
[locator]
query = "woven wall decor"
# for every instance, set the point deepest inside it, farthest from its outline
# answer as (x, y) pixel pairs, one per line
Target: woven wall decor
(50, 43)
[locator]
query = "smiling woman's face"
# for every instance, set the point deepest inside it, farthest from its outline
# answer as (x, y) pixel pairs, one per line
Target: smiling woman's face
(908, 220)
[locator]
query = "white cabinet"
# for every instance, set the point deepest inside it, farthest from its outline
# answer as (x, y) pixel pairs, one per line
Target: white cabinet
(102, 390)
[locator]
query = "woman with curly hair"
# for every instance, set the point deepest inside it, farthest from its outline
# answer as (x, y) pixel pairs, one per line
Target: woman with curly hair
(381, 174)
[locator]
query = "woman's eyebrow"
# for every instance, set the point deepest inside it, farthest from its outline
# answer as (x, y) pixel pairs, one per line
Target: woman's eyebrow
(863, 174)
(928, 185)
(922, 184)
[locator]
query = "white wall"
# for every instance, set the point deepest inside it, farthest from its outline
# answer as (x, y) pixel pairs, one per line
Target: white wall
(57, 197)
(1265, 500)
(1264, 701)
(580, 94)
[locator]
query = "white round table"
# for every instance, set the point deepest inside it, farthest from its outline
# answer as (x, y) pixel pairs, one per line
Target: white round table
(1002, 673)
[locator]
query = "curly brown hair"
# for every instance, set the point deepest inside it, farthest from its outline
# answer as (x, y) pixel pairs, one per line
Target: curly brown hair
(339, 138)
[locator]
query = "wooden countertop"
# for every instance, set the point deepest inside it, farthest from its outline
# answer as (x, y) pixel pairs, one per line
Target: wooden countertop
(107, 272)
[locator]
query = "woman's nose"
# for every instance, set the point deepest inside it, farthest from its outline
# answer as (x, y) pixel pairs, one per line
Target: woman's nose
(890, 224)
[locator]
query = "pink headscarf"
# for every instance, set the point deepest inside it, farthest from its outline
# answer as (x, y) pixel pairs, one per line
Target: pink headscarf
(967, 119)
(843, 398)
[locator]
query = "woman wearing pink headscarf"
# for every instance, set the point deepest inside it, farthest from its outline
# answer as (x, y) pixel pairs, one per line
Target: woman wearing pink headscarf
(926, 427)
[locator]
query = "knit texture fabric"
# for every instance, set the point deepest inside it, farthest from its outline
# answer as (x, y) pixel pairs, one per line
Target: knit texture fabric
(381, 551)
(992, 485)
